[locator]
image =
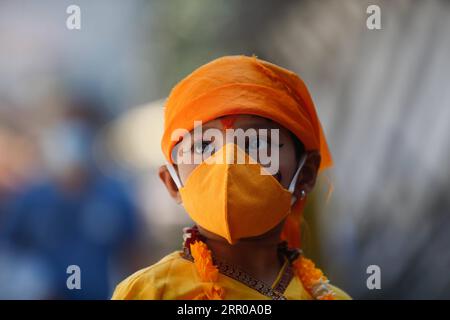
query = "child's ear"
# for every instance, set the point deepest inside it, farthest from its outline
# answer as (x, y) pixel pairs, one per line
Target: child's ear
(308, 174)
(166, 178)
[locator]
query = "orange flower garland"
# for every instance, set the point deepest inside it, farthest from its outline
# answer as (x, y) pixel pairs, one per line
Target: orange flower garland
(206, 270)
(312, 278)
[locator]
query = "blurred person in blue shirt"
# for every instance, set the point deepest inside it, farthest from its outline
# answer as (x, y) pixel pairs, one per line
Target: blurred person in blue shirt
(74, 216)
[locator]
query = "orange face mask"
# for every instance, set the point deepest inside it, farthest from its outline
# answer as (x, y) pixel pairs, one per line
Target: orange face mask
(235, 200)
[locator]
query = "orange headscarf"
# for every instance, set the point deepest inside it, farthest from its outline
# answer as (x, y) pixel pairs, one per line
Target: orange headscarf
(234, 85)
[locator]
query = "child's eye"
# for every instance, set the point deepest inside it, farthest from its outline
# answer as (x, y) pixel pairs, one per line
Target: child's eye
(201, 147)
(257, 143)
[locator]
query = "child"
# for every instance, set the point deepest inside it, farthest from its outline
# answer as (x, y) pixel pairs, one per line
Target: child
(246, 198)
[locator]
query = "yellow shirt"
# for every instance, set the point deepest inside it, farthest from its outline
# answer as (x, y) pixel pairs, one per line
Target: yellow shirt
(174, 278)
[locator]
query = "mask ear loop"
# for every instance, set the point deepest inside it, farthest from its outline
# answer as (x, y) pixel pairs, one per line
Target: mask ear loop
(291, 188)
(174, 175)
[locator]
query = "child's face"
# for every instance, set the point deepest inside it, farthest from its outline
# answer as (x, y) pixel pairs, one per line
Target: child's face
(287, 158)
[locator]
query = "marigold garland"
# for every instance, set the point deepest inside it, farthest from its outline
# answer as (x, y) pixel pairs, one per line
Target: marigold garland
(312, 278)
(206, 270)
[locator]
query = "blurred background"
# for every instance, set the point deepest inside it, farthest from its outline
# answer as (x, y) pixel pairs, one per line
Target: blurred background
(81, 120)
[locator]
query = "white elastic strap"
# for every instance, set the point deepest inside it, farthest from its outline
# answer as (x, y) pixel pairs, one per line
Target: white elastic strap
(294, 179)
(174, 175)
